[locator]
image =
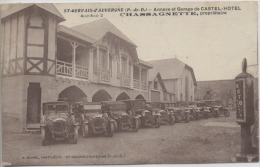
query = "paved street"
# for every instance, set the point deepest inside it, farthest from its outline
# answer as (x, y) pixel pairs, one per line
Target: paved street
(203, 141)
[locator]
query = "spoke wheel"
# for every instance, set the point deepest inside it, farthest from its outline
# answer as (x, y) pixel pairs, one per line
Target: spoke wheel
(136, 124)
(85, 130)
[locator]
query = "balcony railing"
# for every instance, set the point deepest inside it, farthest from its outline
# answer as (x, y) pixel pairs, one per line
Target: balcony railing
(136, 83)
(66, 69)
(143, 85)
(104, 76)
(81, 72)
(63, 68)
(125, 81)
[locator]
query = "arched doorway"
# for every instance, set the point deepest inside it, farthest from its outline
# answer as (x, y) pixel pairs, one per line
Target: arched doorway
(122, 96)
(139, 97)
(73, 94)
(101, 95)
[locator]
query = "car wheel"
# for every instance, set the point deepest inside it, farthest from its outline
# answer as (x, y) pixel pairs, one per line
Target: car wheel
(119, 127)
(116, 126)
(158, 122)
(226, 113)
(206, 115)
(187, 118)
(111, 130)
(76, 135)
(197, 116)
(73, 138)
(85, 130)
(136, 124)
(43, 136)
(215, 113)
(140, 122)
(171, 119)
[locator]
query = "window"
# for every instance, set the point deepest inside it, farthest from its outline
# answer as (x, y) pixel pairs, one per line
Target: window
(124, 65)
(155, 85)
(103, 58)
(181, 97)
(191, 98)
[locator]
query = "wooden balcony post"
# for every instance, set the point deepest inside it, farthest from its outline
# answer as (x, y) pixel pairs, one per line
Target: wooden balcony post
(127, 66)
(74, 47)
(98, 60)
(108, 60)
(120, 64)
(90, 65)
(131, 76)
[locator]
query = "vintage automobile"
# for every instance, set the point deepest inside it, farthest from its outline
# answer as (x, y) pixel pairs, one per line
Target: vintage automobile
(92, 121)
(58, 122)
(147, 117)
(180, 112)
(185, 105)
(117, 111)
(167, 116)
(200, 110)
(217, 108)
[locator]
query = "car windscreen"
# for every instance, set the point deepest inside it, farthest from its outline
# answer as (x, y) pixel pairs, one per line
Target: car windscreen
(201, 104)
(53, 109)
(138, 105)
(216, 103)
(182, 104)
(156, 105)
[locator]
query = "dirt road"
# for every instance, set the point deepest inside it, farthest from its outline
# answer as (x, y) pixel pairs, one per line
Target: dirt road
(203, 141)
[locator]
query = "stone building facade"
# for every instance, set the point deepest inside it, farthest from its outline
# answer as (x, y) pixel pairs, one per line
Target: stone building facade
(42, 61)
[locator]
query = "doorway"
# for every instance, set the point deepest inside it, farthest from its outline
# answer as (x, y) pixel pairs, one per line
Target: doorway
(33, 103)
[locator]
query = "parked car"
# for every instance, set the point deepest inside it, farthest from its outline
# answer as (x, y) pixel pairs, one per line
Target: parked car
(117, 111)
(92, 120)
(217, 108)
(184, 105)
(147, 117)
(180, 113)
(58, 122)
(167, 116)
(200, 109)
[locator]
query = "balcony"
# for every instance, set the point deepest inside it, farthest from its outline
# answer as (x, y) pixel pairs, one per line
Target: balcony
(104, 76)
(66, 69)
(143, 85)
(125, 81)
(136, 83)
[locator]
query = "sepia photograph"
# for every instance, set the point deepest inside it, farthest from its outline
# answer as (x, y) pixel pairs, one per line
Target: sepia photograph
(129, 83)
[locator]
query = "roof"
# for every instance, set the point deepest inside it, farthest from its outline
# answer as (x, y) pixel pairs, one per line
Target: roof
(14, 8)
(63, 30)
(154, 75)
(145, 64)
(170, 69)
(99, 28)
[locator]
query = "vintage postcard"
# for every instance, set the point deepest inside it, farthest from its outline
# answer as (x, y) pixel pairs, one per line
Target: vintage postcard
(129, 83)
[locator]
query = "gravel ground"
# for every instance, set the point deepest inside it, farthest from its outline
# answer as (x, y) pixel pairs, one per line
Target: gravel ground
(214, 140)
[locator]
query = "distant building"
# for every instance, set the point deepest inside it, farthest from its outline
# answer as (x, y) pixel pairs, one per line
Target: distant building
(43, 61)
(177, 76)
(157, 89)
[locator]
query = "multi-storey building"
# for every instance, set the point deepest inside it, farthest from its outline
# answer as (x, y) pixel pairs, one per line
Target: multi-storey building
(157, 89)
(178, 78)
(43, 61)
